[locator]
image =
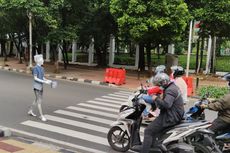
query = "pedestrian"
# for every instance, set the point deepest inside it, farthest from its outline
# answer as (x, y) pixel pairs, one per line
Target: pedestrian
(39, 79)
(171, 110)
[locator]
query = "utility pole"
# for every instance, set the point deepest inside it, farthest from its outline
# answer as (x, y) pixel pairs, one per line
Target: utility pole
(189, 47)
(30, 38)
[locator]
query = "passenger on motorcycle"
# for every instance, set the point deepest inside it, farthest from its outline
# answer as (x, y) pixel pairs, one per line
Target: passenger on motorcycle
(152, 90)
(222, 106)
(177, 73)
(171, 110)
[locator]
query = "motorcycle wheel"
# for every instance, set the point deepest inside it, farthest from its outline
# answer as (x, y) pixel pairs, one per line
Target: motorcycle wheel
(118, 139)
(199, 148)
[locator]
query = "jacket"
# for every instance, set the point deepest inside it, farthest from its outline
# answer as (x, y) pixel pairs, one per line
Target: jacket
(171, 106)
(222, 106)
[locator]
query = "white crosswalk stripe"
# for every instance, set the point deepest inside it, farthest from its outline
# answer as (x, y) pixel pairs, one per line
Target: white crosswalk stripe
(98, 107)
(115, 98)
(104, 104)
(67, 132)
(88, 121)
(92, 111)
(114, 95)
(85, 117)
(77, 124)
(108, 100)
(123, 94)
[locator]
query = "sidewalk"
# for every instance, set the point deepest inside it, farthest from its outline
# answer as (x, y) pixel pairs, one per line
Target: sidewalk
(15, 144)
(95, 75)
(80, 73)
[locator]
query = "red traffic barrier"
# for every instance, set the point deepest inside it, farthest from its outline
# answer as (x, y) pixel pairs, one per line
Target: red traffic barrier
(116, 76)
(189, 82)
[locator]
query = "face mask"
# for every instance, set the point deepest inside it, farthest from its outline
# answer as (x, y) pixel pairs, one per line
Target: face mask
(39, 59)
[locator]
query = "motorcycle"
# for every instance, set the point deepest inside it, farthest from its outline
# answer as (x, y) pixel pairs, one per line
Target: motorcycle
(150, 108)
(186, 137)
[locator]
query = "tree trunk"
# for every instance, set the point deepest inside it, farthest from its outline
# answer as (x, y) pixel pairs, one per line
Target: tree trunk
(201, 55)
(149, 62)
(197, 55)
(141, 64)
(3, 48)
(65, 54)
(56, 63)
(213, 57)
(11, 48)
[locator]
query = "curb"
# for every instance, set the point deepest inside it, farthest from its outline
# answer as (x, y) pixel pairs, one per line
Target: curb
(5, 132)
(7, 68)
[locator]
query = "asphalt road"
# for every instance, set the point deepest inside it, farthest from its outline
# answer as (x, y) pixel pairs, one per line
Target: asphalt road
(79, 115)
(84, 132)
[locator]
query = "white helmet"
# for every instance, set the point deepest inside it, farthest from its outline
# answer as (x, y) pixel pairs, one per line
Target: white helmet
(160, 69)
(161, 80)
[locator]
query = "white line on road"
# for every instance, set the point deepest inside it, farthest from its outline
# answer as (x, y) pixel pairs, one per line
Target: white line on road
(109, 100)
(104, 103)
(114, 95)
(91, 111)
(98, 107)
(67, 132)
(83, 116)
(123, 94)
(77, 124)
(115, 98)
(57, 141)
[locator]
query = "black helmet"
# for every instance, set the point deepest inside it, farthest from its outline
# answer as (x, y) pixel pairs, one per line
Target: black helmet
(177, 71)
(226, 77)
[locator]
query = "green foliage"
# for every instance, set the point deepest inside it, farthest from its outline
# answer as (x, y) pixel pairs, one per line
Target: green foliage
(143, 20)
(214, 92)
(214, 16)
(124, 60)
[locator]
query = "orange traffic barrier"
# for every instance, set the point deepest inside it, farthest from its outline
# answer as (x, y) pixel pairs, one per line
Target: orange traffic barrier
(116, 76)
(189, 82)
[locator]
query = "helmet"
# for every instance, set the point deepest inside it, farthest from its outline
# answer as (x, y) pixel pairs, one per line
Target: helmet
(177, 71)
(226, 77)
(159, 69)
(161, 80)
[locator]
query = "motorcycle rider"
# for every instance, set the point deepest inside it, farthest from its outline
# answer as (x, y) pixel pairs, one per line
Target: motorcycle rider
(222, 105)
(171, 110)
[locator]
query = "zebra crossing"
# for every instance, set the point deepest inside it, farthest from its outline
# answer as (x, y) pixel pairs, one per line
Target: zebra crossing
(87, 122)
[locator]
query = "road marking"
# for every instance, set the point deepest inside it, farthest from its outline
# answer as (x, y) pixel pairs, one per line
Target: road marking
(67, 132)
(114, 95)
(122, 99)
(103, 103)
(108, 100)
(98, 107)
(123, 94)
(77, 124)
(57, 141)
(83, 116)
(91, 111)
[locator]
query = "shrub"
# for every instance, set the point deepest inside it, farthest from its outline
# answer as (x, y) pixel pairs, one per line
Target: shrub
(214, 92)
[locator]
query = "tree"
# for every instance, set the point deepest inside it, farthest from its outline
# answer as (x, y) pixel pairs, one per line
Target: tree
(150, 22)
(214, 17)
